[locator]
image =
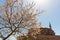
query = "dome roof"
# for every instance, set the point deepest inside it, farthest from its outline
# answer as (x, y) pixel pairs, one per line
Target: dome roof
(41, 31)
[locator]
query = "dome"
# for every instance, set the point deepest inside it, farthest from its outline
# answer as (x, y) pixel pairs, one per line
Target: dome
(41, 31)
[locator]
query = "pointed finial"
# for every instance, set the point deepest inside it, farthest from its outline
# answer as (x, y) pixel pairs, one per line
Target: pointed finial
(50, 25)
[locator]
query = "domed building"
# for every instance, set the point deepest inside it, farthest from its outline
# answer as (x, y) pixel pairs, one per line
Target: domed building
(40, 34)
(41, 31)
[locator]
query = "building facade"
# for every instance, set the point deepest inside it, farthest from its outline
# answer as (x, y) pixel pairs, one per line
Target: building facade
(40, 34)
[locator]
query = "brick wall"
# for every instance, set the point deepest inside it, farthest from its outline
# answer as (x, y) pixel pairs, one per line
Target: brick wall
(40, 37)
(48, 38)
(39, 34)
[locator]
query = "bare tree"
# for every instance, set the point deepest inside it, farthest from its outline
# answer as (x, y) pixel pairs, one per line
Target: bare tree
(15, 16)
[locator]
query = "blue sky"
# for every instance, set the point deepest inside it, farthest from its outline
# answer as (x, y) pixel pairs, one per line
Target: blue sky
(51, 15)
(1, 2)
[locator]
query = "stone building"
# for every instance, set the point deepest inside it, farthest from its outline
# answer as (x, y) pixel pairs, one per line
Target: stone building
(40, 34)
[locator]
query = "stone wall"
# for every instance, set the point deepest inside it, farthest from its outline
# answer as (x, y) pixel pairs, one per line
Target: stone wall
(48, 38)
(40, 37)
(39, 34)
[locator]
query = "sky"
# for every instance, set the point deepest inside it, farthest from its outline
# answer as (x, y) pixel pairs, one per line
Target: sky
(51, 14)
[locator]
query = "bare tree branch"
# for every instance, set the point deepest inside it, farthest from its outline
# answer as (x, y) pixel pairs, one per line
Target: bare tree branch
(16, 18)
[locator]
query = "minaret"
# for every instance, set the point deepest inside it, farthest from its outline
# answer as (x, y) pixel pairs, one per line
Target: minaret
(50, 25)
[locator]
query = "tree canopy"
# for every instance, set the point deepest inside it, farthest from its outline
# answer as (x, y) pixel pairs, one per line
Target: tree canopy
(15, 16)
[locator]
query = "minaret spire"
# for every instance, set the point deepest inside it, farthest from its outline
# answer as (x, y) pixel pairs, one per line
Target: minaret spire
(50, 25)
